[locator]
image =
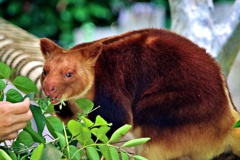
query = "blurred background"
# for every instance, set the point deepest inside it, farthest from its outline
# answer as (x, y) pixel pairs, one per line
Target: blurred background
(74, 21)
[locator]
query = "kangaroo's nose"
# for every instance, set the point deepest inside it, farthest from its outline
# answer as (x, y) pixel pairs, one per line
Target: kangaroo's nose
(49, 89)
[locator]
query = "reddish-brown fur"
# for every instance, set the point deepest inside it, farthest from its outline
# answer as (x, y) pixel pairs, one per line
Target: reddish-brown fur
(167, 87)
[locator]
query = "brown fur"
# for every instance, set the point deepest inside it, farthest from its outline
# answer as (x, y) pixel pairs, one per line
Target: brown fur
(167, 87)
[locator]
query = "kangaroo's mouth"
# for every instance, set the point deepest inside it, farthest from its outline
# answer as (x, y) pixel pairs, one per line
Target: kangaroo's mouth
(56, 99)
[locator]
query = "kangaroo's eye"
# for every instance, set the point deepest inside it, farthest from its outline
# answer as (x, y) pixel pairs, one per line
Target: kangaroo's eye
(44, 72)
(68, 75)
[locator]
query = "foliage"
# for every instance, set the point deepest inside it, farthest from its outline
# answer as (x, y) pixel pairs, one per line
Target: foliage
(57, 19)
(73, 141)
(237, 125)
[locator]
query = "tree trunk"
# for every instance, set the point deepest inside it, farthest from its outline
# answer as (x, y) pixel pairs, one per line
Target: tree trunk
(194, 20)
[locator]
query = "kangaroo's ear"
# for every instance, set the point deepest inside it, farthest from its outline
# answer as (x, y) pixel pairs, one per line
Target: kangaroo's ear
(91, 53)
(95, 50)
(47, 47)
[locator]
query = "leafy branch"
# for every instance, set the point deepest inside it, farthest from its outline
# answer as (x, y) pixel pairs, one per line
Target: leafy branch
(73, 141)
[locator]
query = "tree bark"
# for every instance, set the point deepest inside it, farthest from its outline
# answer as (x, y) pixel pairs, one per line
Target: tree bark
(231, 46)
(194, 20)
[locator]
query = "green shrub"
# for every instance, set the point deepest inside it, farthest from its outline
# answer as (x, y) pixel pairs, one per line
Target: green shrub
(69, 142)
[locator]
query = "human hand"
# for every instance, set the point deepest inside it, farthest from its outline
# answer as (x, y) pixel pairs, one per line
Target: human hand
(13, 117)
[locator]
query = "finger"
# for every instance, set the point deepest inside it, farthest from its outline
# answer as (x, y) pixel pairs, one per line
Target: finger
(10, 131)
(21, 107)
(4, 103)
(10, 119)
(10, 136)
(24, 117)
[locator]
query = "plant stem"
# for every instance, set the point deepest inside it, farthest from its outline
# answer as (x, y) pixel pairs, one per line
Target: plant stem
(66, 138)
(5, 144)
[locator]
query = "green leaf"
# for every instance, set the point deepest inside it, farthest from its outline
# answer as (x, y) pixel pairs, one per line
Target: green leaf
(99, 11)
(85, 136)
(100, 133)
(39, 118)
(75, 153)
(35, 136)
(137, 157)
(5, 71)
(50, 109)
(120, 132)
(19, 148)
(124, 156)
(4, 155)
(85, 104)
(87, 122)
(30, 96)
(135, 142)
(74, 127)
(1, 95)
(45, 105)
(81, 133)
(13, 96)
(237, 125)
(114, 153)
(25, 157)
(50, 152)
(105, 151)
(37, 152)
(100, 121)
(54, 124)
(25, 84)
(80, 14)
(2, 85)
(25, 138)
(109, 153)
(12, 155)
(92, 153)
(62, 139)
